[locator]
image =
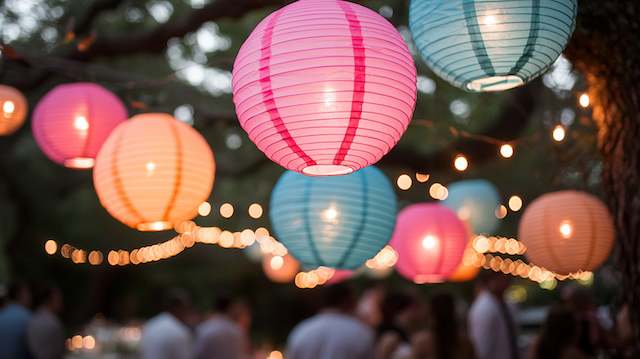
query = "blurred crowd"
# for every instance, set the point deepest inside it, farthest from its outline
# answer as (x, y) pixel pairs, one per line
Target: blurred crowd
(379, 324)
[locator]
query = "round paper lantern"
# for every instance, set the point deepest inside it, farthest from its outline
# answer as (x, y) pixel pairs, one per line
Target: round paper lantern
(280, 269)
(466, 270)
(567, 232)
(13, 110)
(475, 202)
(324, 87)
(154, 172)
(430, 241)
(337, 222)
(487, 45)
(72, 121)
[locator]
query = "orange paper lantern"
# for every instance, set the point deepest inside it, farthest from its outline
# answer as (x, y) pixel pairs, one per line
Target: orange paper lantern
(280, 269)
(13, 110)
(567, 232)
(466, 270)
(153, 172)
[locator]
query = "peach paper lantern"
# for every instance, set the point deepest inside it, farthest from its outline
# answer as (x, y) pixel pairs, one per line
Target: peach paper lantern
(466, 270)
(430, 241)
(13, 110)
(567, 232)
(72, 121)
(280, 269)
(324, 87)
(153, 172)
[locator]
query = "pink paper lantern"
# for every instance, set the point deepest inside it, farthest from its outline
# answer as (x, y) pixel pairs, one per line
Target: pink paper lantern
(430, 241)
(72, 121)
(324, 87)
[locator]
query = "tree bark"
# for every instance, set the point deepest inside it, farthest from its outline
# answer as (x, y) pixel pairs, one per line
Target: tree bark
(606, 49)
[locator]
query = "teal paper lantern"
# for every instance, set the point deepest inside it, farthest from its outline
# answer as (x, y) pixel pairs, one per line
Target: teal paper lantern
(475, 202)
(335, 221)
(489, 45)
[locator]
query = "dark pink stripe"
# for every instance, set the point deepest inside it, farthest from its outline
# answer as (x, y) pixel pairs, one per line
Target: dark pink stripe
(267, 93)
(358, 81)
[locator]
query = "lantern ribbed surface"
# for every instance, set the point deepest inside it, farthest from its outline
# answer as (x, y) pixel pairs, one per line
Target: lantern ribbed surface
(475, 202)
(13, 110)
(337, 222)
(567, 232)
(280, 269)
(488, 45)
(430, 241)
(153, 172)
(72, 121)
(324, 87)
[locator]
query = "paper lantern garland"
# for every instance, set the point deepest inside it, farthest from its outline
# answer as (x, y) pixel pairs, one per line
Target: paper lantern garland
(475, 202)
(324, 88)
(567, 232)
(153, 172)
(13, 110)
(430, 241)
(486, 45)
(72, 121)
(336, 222)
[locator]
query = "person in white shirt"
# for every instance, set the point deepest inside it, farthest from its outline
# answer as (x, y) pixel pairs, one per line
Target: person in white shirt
(166, 336)
(491, 325)
(334, 333)
(221, 336)
(45, 332)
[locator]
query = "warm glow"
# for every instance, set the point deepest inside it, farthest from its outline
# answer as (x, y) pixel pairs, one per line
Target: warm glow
(404, 182)
(204, 209)
(95, 258)
(490, 20)
(226, 239)
(464, 213)
(501, 212)
(422, 177)
(461, 163)
(429, 242)
(8, 107)
(76, 341)
(80, 123)
(506, 150)
(438, 191)
(50, 247)
(255, 210)
(515, 203)
(226, 210)
(584, 100)
(88, 342)
(154, 226)
(276, 262)
(558, 133)
(481, 244)
(566, 229)
(330, 214)
(150, 167)
(275, 355)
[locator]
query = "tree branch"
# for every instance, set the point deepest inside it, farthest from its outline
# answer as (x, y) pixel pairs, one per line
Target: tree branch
(92, 12)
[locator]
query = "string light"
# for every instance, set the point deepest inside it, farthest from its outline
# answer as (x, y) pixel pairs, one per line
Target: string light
(460, 163)
(50, 247)
(584, 100)
(422, 177)
(506, 150)
(558, 133)
(501, 212)
(226, 210)
(515, 203)
(255, 211)
(404, 182)
(204, 209)
(438, 191)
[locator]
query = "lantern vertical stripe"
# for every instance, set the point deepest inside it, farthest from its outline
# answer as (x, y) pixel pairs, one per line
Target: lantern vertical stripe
(531, 41)
(121, 193)
(307, 224)
(477, 42)
(363, 219)
(267, 92)
(358, 81)
(178, 174)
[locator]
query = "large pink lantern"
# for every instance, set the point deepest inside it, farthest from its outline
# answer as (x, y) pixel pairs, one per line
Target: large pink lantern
(324, 87)
(430, 241)
(72, 121)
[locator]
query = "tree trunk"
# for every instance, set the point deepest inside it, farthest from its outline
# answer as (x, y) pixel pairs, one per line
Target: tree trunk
(606, 49)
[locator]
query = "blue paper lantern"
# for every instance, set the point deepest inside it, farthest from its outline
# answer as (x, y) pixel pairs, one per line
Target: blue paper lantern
(475, 202)
(489, 45)
(336, 221)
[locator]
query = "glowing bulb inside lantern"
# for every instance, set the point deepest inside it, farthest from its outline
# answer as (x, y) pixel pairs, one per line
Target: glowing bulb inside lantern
(584, 100)
(429, 242)
(151, 167)
(80, 123)
(506, 150)
(329, 97)
(8, 107)
(566, 229)
(276, 262)
(330, 214)
(461, 163)
(558, 133)
(490, 20)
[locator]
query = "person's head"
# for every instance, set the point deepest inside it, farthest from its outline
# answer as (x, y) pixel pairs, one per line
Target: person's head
(398, 308)
(494, 282)
(178, 302)
(48, 296)
(340, 297)
(443, 324)
(20, 293)
(558, 333)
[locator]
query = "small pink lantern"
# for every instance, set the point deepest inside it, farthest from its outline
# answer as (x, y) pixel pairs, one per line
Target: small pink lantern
(72, 121)
(430, 241)
(324, 87)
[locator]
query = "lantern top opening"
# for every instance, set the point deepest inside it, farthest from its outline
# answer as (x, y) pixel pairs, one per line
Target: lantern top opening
(154, 226)
(494, 83)
(79, 162)
(327, 170)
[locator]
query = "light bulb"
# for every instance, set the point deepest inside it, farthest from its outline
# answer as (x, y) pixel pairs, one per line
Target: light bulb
(566, 229)
(80, 123)
(558, 133)
(461, 163)
(506, 150)
(429, 242)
